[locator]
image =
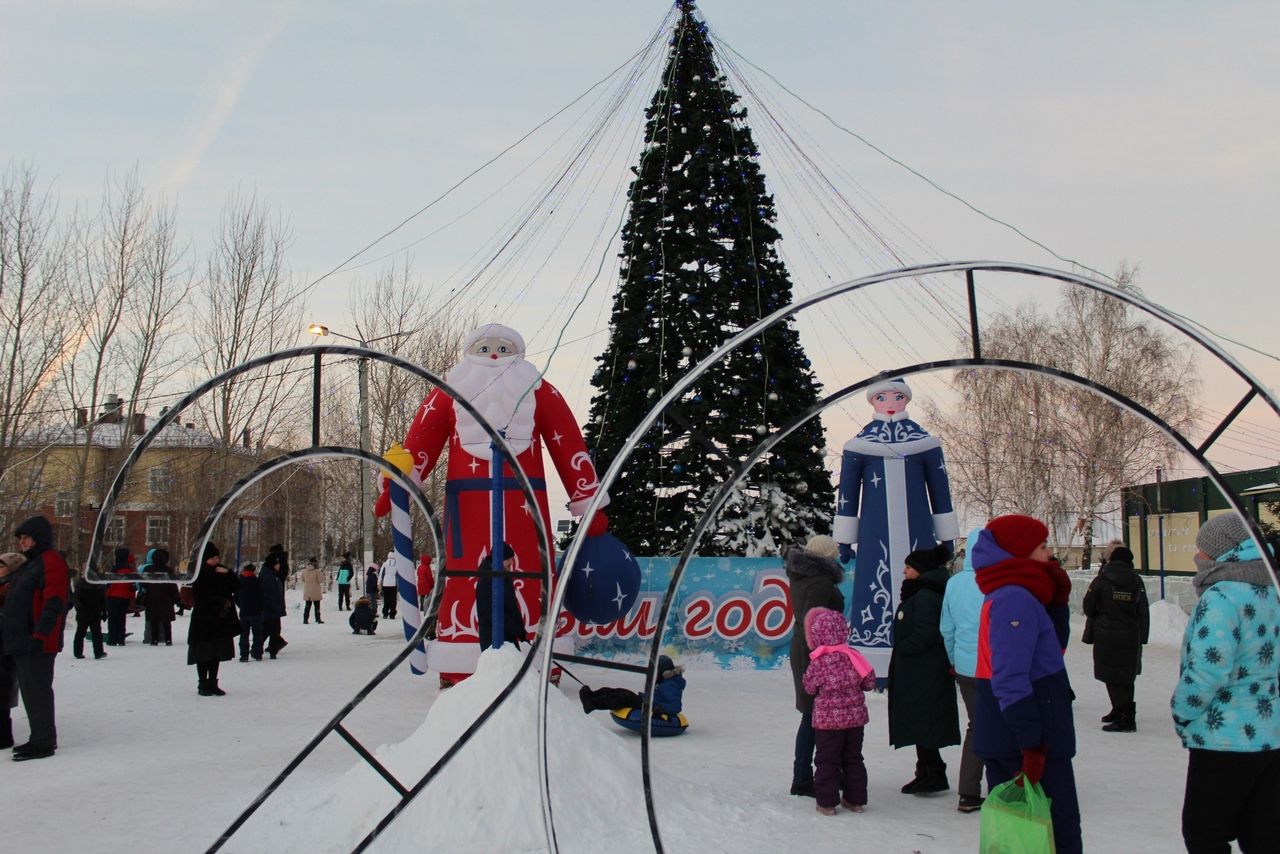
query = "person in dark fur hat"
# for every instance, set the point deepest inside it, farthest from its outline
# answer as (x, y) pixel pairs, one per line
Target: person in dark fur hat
(1117, 623)
(922, 695)
(813, 574)
(35, 612)
(214, 624)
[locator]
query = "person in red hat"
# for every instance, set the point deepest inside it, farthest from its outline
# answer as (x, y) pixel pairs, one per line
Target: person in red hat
(1023, 722)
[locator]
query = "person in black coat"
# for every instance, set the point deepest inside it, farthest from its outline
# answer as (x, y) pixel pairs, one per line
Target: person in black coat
(90, 601)
(922, 695)
(1117, 623)
(159, 600)
(214, 624)
(363, 618)
(273, 608)
(251, 602)
(813, 575)
(512, 619)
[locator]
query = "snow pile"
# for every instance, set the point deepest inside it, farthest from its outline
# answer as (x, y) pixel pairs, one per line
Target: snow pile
(1168, 622)
(486, 798)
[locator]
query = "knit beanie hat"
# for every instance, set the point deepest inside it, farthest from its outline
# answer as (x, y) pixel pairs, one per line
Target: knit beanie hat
(822, 546)
(925, 560)
(1219, 538)
(1121, 554)
(1018, 535)
(1221, 534)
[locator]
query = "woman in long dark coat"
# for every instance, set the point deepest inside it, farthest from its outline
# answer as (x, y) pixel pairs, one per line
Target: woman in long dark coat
(1117, 623)
(214, 624)
(813, 575)
(922, 696)
(159, 600)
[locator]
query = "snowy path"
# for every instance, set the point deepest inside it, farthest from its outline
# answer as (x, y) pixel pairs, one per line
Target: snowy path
(144, 764)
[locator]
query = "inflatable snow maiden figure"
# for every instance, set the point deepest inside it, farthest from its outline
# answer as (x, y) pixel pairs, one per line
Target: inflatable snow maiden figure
(494, 376)
(894, 499)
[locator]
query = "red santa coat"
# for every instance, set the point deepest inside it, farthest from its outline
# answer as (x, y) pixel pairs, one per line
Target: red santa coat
(467, 523)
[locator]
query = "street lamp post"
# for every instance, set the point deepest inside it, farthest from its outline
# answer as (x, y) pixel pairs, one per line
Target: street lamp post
(366, 506)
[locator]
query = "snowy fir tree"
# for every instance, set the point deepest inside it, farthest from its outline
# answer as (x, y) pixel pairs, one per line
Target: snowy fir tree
(699, 264)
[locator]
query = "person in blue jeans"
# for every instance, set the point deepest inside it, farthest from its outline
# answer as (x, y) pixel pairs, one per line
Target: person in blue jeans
(813, 574)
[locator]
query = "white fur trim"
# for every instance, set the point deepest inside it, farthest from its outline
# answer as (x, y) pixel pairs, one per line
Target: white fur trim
(945, 526)
(577, 508)
(892, 449)
(888, 385)
(494, 330)
(845, 529)
(445, 657)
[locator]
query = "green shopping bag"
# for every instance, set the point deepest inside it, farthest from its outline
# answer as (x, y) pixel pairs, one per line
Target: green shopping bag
(1015, 820)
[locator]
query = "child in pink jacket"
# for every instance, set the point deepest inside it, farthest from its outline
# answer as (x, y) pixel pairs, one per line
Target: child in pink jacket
(837, 677)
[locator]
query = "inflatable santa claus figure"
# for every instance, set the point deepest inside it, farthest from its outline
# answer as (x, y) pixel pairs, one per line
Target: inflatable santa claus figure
(895, 498)
(508, 392)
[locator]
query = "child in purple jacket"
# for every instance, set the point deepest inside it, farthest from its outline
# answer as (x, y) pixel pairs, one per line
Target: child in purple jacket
(837, 677)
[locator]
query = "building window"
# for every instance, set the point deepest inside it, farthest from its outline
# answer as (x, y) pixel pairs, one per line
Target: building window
(115, 532)
(159, 480)
(64, 504)
(157, 530)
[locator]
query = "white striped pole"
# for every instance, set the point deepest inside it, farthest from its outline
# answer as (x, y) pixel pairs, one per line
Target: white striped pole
(402, 544)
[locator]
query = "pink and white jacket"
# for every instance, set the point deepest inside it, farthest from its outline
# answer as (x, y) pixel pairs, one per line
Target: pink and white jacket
(838, 676)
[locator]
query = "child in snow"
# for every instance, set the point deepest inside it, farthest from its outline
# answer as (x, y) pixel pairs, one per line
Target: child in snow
(362, 618)
(837, 677)
(668, 693)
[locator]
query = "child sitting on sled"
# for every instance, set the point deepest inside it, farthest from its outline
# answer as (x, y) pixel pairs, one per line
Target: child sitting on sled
(668, 693)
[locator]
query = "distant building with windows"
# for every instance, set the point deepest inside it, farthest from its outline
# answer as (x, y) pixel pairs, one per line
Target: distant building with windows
(166, 500)
(1161, 518)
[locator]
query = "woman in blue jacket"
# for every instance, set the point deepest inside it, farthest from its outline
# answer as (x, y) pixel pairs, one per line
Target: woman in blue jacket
(1225, 706)
(1023, 721)
(961, 610)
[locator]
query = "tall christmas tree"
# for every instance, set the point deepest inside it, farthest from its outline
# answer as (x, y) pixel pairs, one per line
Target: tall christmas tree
(699, 265)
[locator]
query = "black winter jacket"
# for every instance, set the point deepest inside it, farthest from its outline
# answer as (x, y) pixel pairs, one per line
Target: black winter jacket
(813, 582)
(1117, 622)
(922, 694)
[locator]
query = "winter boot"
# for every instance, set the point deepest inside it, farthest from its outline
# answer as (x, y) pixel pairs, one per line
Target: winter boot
(921, 772)
(803, 789)
(584, 694)
(203, 690)
(6, 732)
(215, 690)
(1109, 716)
(933, 780)
(1125, 720)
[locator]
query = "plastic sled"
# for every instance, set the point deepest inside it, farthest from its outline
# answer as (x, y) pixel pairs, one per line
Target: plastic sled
(662, 724)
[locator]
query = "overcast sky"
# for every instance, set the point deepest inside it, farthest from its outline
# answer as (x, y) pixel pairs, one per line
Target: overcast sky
(1146, 132)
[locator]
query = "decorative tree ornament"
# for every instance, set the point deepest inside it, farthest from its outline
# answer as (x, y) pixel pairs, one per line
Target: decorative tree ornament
(686, 351)
(773, 396)
(761, 430)
(631, 364)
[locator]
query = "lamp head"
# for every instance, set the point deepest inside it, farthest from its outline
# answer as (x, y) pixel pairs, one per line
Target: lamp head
(318, 329)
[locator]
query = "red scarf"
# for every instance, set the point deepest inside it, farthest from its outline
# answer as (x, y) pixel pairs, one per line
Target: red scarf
(1045, 580)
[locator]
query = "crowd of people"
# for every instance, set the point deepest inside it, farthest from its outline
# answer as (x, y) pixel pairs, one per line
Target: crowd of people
(995, 631)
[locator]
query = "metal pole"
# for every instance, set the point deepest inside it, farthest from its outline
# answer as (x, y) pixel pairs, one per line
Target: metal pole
(1160, 523)
(497, 537)
(366, 506)
(239, 541)
(315, 403)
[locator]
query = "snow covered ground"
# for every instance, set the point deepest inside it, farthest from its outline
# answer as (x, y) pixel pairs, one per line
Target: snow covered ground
(144, 764)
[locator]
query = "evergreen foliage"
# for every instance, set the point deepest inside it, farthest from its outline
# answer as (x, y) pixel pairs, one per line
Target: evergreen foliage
(699, 264)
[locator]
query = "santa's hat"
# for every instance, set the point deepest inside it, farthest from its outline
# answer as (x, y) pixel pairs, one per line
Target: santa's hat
(897, 384)
(494, 330)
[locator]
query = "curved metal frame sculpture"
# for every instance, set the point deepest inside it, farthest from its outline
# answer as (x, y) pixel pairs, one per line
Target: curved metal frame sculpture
(552, 608)
(977, 361)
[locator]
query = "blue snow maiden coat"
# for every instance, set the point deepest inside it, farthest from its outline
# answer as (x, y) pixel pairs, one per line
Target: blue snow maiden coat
(894, 498)
(1023, 694)
(1226, 698)
(961, 611)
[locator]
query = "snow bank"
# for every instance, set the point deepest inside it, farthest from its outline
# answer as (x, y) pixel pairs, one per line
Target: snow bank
(487, 797)
(1168, 622)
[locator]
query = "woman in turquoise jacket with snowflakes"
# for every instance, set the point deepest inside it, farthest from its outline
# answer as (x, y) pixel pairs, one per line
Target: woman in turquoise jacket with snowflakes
(1225, 706)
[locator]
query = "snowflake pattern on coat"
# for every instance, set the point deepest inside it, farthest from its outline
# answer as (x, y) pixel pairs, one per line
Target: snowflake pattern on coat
(1227, 686)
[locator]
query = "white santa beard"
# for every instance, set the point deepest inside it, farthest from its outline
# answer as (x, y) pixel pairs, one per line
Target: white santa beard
(493, 386)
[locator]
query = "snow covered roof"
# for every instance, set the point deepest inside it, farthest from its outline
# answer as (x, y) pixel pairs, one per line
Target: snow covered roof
(109, 435)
